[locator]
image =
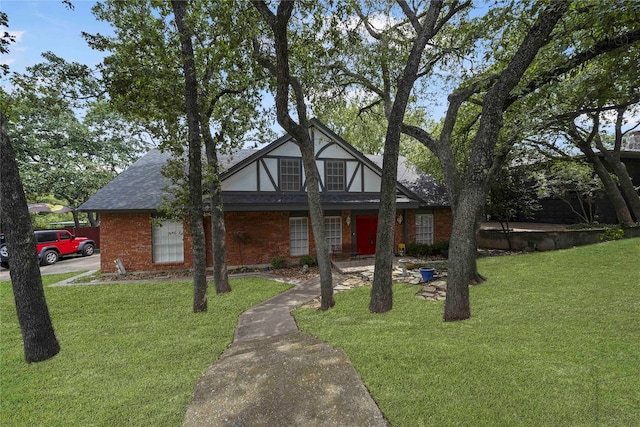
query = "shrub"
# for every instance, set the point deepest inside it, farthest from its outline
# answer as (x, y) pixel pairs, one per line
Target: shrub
(612, 233)
(308, 260)
(278, 262)
(424, 250)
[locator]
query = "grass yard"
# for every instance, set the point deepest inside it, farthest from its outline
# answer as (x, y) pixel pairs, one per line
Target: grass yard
(554, 340)
(131, 353)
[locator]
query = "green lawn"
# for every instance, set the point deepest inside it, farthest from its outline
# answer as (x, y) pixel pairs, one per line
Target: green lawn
(554, 340)
(131, 354)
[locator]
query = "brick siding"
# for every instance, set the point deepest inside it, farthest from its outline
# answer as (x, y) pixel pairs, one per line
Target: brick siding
(442, 225)
(252, 238)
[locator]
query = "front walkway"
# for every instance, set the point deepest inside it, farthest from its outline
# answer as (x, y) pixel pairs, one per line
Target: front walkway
(274, 375)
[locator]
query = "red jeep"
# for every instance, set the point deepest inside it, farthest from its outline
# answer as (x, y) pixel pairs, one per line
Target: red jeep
(52, 245)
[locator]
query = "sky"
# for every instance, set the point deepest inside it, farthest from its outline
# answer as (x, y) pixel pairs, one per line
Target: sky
(49, 25)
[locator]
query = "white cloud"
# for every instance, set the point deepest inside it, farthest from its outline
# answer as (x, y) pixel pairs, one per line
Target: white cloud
(15, 51)
(16, 34)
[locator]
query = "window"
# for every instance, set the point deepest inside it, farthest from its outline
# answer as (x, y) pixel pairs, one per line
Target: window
(633, 142)
(290, 174)
(334, 170)
(167, 241)
(46, 237)
(298, 236)
(424, 228)
(333, 231)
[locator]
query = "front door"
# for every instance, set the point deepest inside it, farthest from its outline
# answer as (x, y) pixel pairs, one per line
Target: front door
(366, 229)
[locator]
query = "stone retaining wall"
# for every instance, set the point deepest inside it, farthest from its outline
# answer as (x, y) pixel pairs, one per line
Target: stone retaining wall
(544, 240)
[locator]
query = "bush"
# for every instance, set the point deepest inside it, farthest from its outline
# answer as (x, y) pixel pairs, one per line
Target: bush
(612, 233)
(308, 260)
(423, 250)
(279, 262)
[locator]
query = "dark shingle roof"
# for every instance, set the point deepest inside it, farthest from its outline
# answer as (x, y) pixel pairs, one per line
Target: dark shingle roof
(432, 193)
(141, 188)
(138, 188)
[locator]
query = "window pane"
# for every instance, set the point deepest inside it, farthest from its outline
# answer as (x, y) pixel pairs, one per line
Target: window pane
(333, 231)
(424, 228)
(167, 241)
(298, 236)
(290, 174)
(335, 175)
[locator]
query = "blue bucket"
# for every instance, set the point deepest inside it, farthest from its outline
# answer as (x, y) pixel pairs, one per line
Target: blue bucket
(427, 274)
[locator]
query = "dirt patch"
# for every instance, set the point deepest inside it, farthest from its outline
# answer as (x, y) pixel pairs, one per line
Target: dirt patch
(294, 273)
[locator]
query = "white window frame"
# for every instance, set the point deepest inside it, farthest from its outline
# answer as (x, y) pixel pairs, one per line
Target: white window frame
(298, 236)
(424, 228)
(290, 174)
(335, 171)
(167, 241)
(333, 232)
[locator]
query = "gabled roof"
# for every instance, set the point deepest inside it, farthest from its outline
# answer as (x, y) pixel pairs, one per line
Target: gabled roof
(141, 187)
(428, 189)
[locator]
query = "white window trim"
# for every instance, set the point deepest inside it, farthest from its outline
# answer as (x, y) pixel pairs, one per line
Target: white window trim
(298, 236)
(426, 236)
(167, 242)
(298, 183)
(342, 184)
(333, 242)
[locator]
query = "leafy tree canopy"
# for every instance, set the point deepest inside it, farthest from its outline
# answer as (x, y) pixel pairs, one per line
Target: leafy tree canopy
(68, 141)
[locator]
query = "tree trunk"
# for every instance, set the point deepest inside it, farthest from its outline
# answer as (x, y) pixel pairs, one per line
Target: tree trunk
(381, 299)
(93, 219)
(610, 187)
(38, 336)
(300, 131)
(468, 198)
(317, 220)
(196, 210)
(462, 270)
(76, 219)
(381, 290)
(626, 185)
(218, 230)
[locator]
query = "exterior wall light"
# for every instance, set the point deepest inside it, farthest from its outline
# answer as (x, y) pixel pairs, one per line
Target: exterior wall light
(348, 220)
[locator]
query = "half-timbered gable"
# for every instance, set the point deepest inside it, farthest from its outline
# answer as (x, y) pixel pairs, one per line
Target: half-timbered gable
(275, 175)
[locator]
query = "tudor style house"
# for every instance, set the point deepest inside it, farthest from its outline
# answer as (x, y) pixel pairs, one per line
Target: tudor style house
(266, 209)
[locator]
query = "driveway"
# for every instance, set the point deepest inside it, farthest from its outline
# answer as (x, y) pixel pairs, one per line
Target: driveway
(65, 265)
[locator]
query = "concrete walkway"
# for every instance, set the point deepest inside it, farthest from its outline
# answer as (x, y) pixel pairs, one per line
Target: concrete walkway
(274, 375)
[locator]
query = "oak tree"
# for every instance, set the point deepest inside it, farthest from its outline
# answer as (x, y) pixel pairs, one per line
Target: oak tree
(280, 61)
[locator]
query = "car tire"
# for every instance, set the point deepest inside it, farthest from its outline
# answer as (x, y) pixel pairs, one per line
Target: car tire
(87, 250)
(49, 257)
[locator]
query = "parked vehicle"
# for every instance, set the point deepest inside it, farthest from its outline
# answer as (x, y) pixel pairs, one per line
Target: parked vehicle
(51, 245)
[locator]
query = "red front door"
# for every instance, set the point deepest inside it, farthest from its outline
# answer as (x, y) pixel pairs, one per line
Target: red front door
(366, 228)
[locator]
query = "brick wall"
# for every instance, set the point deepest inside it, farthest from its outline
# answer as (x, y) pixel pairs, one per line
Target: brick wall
(442, 224)
(251, 238)
(128, 236)
(256, 237)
